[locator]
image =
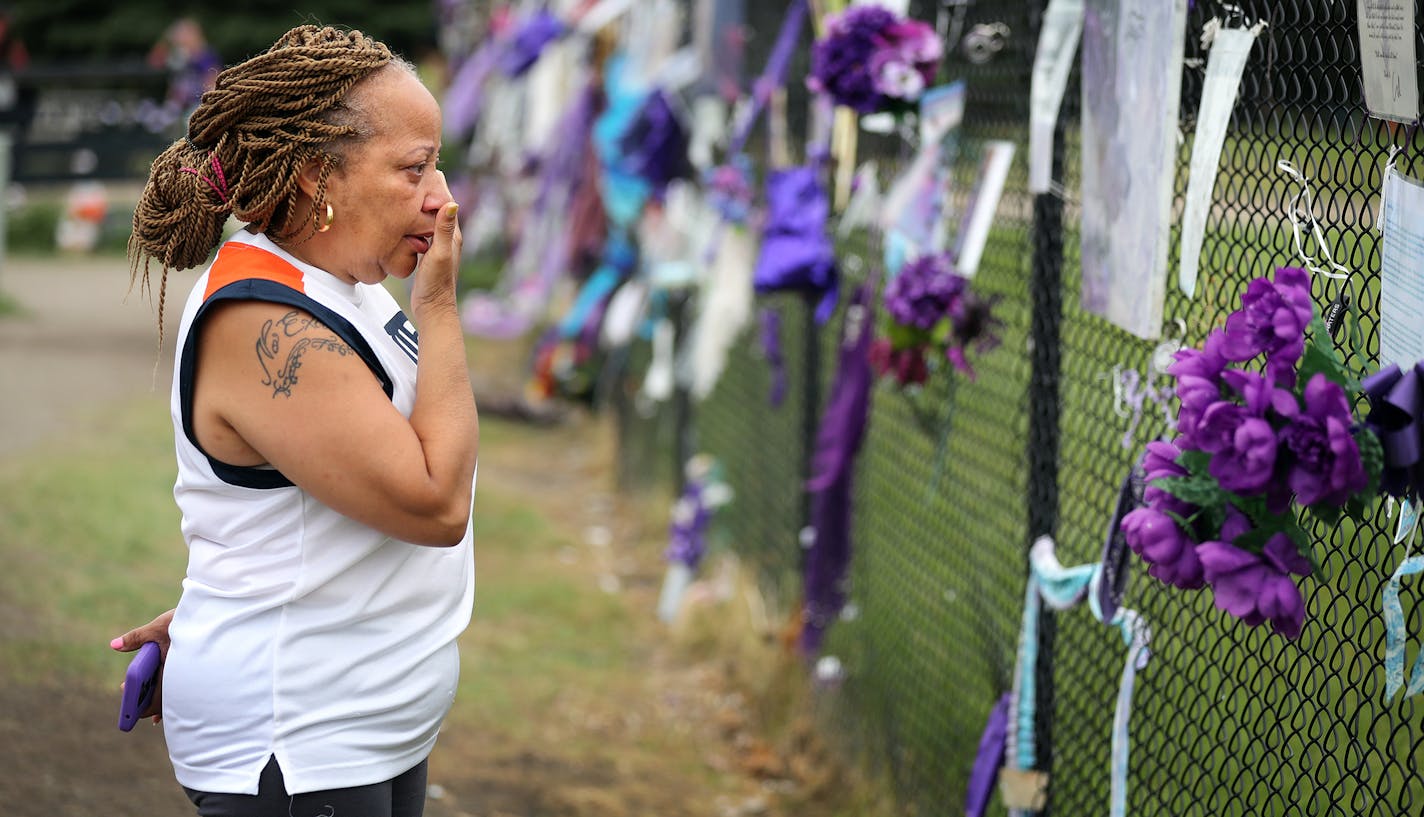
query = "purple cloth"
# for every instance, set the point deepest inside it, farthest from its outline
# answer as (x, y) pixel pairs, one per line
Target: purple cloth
(796, 251)
(1396, 399)
(654, 146)
(838, 440)
(533, 36)
(774, 75)
(465, 95)
(989, 758)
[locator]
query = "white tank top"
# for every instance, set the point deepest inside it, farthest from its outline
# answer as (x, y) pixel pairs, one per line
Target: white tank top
(302, 633)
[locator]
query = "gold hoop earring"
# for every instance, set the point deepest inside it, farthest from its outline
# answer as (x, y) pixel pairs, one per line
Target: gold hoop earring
(323, 226)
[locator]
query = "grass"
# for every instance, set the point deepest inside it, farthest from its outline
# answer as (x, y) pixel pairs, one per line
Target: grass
(557, 671)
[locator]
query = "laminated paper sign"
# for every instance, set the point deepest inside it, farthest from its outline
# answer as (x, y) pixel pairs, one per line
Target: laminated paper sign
(1402, 272)
(1132, 67)
(1387, 58)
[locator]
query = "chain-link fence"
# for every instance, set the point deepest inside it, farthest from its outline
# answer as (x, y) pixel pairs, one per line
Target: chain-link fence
(953, 483)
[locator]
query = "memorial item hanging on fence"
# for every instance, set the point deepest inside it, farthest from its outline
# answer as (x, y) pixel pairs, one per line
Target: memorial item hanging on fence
(1396, 416)
(723, 309)
(872, 60)
(1132, 66)
(916, 204)
(838, 440)
(1057, 43)
(932, 317)
(1265, 430)
(1387, 68)
(531, 36)
(994, 164)
(704, 491)
(1401, 325)
(1061, 588)
(796, 253)
(1229, 49)
(563, 232)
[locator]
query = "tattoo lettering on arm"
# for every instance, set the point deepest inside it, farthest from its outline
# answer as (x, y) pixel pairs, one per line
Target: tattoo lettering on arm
(281, 356)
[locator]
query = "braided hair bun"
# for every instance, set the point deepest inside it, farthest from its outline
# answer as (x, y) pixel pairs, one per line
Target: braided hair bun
(247, 143)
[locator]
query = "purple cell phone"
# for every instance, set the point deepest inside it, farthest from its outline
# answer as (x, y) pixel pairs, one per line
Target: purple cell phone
(140, 682)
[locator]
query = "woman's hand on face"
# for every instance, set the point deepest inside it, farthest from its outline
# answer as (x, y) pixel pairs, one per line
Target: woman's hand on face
(157, 632)
(435, 277)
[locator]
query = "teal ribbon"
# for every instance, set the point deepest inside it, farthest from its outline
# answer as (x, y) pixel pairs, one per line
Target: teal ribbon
(1395, 635)
(1060, 588)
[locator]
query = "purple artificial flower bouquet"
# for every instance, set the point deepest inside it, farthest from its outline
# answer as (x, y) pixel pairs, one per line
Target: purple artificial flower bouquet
(929, 305)
(872, 60)
(1265, 425)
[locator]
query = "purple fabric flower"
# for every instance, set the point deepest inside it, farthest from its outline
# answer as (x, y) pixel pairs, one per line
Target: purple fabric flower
(1244, 464)
(1258, 587)
(1272, 320)
(1240, 438)
(1325, 459)
(1168, 550)
(840, 61)
(687, 533)
(923, 293)
(1160, 462)
(870, 58)
(1206, 362)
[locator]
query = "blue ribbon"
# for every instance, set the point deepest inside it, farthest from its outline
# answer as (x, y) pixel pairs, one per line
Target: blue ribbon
(1060, 588)
(1395, 635)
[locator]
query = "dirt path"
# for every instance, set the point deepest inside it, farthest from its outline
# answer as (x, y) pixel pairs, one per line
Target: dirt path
(78, 344)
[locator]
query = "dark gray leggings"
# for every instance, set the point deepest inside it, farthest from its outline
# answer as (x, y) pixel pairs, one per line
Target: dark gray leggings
(403, 796)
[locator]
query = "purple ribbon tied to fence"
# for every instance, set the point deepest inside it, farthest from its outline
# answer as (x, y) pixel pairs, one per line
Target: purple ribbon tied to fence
(796, 252)
(1396, 400)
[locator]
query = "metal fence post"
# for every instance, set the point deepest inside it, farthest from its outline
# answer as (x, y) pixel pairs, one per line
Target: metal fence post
(1046, 294)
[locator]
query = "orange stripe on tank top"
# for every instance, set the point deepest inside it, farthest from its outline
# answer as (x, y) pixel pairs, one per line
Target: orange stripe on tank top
(240, 262)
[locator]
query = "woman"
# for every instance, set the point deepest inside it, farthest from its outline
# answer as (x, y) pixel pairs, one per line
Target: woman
(325, 470)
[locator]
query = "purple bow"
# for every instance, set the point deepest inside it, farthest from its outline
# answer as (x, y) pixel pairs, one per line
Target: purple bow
(796, 252)
(1396, 398)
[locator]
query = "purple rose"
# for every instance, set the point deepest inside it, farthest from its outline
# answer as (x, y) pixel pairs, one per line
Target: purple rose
(1194, 395)
(1245, 465)
(1206, 362)
(1257, 588)
(1169, 552)
(1325, 459)
(922, 294)
(1272, 320)
(1160, 462)
(895, 77)
(840, 61)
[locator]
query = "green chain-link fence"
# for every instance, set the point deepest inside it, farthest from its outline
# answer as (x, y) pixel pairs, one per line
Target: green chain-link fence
(955, 482)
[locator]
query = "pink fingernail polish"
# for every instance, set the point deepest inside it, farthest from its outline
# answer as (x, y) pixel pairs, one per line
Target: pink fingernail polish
(117, 643)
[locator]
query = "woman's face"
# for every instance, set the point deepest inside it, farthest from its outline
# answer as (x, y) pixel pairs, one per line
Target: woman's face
(386, 193)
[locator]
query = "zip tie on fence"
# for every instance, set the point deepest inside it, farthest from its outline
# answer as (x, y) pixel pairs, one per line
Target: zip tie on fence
(1302, 213)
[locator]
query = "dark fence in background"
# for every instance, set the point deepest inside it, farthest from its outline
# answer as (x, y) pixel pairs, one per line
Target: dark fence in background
(101, 122)
(955, 482)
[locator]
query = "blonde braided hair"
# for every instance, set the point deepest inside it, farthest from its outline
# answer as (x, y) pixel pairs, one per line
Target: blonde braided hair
(246, 145)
